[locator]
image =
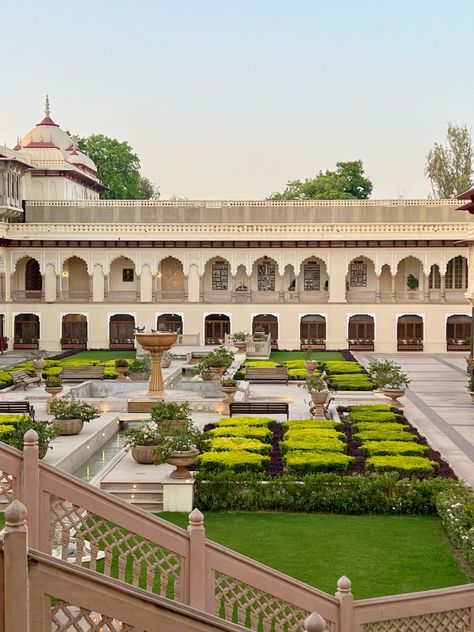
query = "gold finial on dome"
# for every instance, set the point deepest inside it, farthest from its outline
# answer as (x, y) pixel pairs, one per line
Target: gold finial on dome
(47, 111)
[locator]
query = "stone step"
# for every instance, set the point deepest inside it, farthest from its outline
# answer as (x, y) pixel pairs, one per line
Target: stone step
(131, 495)
(153, 507)
(139, 486)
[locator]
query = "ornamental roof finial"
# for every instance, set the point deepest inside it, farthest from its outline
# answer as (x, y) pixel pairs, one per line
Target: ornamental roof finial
(46, 106)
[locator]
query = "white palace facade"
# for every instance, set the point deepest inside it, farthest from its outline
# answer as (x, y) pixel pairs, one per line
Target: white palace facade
(80, 272)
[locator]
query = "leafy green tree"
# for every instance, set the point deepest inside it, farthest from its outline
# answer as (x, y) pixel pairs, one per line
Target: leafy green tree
(118, 167)
(147, 189)
(450, 166)
(348, 181)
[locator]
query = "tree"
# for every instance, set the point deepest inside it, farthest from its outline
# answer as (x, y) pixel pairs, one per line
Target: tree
(450, 166)
(118, 167)
(346, 182)
(148, 190)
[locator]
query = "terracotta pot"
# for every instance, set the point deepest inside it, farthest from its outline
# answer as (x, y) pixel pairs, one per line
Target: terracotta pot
(310, 365)
(53, 390)
(144, 454)
(181, 460)
(165, 364)
(394, 394)
(68, 426)
(319, 397)
(38, 364)
(241, 346)
(216, 372)
(122, 370)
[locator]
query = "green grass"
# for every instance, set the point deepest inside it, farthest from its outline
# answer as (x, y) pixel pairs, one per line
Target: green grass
(2, 520)
(103, 355)
(320, 356)
(382, 555)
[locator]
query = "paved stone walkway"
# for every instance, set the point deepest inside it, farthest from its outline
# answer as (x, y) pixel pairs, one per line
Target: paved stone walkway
(439, 405)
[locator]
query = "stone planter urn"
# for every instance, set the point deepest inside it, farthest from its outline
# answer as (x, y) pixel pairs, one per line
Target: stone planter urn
(68, 426)
(122, 371)
(229, 392)
(38, 366)
(144, 454)
(319, 399)
(310, 365)
(182, 460)
(53, 390)
(394, 394)
(240, 345)
(139, 376)
(165, 363)
(217, 372)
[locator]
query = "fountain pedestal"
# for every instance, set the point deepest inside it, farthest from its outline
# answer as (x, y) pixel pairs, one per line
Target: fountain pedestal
(156, 343)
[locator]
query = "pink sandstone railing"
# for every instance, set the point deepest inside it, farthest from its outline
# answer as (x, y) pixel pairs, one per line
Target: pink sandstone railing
(124, 543)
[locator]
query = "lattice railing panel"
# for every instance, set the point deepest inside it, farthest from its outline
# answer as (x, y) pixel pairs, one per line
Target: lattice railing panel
(239, 602)
(79, 536)
(66, 617)
(6, 488)
(447, 621)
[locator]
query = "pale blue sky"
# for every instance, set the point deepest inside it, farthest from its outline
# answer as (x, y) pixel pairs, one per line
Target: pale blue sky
(230, 99)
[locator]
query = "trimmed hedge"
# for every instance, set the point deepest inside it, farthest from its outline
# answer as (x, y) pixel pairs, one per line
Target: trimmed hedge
(305, 424)
(374, 426)
(236, 444)
(383, 435)
(10, 418)
(313, 443)
(298, 374)
(378, 448)
(315, 433)
(305, 462)
(456, 509)
(376, 415)
(252, 432)
(405, 464)
(245, 421)
(238, 461)
(371, 407)
(347, 382)
(342, 367)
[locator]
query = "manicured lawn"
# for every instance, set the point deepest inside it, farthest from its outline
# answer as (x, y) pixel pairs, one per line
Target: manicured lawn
(382, 555)
(103, 355)
(2, 520)
(321, 356)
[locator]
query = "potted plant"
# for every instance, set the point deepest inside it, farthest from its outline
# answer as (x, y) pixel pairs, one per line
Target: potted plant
(412, 282)
(317, 388)
(380, 372)
(396, 382)
(140, 368)
(229, 387)
(309, 363)
(239, 340)
(177, 413)
(45, 430)
(122, 367)
(178, 448)
(70, 415)
(471, 387)
(53, 385)
(166, 359)
(38, 361)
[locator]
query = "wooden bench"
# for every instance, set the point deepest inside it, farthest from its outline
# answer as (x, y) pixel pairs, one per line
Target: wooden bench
(21, 378)
(81, 373)
(266, 374)
(259, 408)
(21, 407)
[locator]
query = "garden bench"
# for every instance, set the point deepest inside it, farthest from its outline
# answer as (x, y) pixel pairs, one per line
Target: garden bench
(266, 374)
(82, 373)
(21, 378)
(259, 408)
(21, 407)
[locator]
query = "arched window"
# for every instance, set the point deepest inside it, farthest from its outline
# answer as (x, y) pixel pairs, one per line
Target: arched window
(269, 324)
(312, 328)
(358, 274)
(33, 281)
(27, 331)
(361, 327)
(216, 326)
(220, 275)
(170, 322)
(266, 271)
(456, 274)
(410, 333)
(434, 281)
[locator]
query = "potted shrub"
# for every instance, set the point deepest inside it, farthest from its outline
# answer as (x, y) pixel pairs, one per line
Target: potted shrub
(177, 413)
(142, 442)
(239, 340)
(122, 367)
(38, 361)
(396, 382)
(70, 415)
(317, 388)
(309, 363)
(45, 430)
(412, 282)
(229, 387)
(380, 372)
(471, 388)
(140, 368)
(178, 448)
(53, 385)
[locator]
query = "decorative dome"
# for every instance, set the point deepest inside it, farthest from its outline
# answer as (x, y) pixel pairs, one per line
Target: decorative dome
(81, 160)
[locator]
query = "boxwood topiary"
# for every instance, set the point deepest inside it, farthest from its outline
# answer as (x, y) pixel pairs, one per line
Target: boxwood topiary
(405, 464)
(236, 444)
(392, 448)
(238, 461)
(305, 462)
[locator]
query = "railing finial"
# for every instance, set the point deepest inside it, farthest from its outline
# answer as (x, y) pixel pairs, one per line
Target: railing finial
(344, 584)
(30, 437)
(196, 518)
(314, 623)
(15, 515)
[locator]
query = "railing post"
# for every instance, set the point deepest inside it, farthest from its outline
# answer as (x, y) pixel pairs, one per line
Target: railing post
(197, 560)
(31, 484)
(315, 623)
(346, 604)
(15, 560)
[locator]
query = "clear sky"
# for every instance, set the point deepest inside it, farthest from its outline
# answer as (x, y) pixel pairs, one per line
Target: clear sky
(231, 98)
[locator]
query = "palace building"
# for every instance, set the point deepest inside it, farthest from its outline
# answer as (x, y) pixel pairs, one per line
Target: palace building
(80, 272)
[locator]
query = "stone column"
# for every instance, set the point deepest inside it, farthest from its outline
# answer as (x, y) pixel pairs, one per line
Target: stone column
(98, 284)
(8, 271)
(377, 288)
(146, 285)
(426, 288)
(337, 269)
(442, 293)
(194, 284)
(50, 284)
(394, 289)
